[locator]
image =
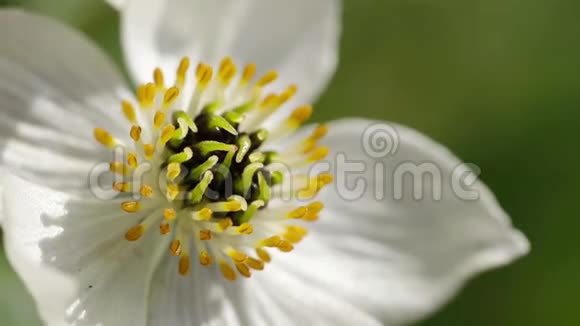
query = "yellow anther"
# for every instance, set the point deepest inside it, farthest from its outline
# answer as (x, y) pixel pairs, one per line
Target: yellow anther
(287, 94)
(105, 138)
(300, 115)
(245, 228)
(325, 179)
(285, 246)
(158, 78)
(227, 271)
(132, 160)
(173, 171)
(248, 74)
(146, 95)
(227, 70)
(244, 270)
(269, 77)
(184, 265)
(135, 133)
(164, 228)
(122, 186)
(233, 206)
(146, 191)
(270, 101)
(129, 111)
(172, 192)
(120, 168)
(169, 214)
(205, 235)
(298, 213)
(294, 233)
(204, 74)
(170, 96)
(318, 154)
(135, 233)
(158, 119)
(237, 256)
(167, 133)
(149, 150)
(130, 206)
(175, 248)
(315, 207)
(273, 241)
(254, 263)
(204, 258)
(225, 223)
(204, 214)
(319, 132)
(182, 70)
(264, 255)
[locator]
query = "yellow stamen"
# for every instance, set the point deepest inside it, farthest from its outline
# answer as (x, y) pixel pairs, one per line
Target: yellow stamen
(172, 192)
(245, 228)
(169, 214)
(170, 96)
(227, 70)
(131, 206)
(184, 265)
(158, 119)
(244, 270)
(158, 78)
(167, 133)
(120, 168)
(269, 77)
(132, 160)
(298, 213)
(204, 258)
(318, 154)
(135, 133)
(129, 111)
(146, 95)
(204, 214)
(164, 228)
(205, 235)
(175, 248)
(149, 150)
(287, 94)
(255, 264)
(135, 233)
(227, 271)
(122, 186)
(105, 138)
(248, 74)
(300, 115)
(182, 71)
(204, 74)
(225, 223)
(146, 191)
(237, 256)
(264, 255)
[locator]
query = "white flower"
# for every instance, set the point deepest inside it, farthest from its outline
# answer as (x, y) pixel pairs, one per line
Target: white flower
(89, 261)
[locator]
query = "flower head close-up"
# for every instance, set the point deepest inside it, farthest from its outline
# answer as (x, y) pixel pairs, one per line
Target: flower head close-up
(202, 195)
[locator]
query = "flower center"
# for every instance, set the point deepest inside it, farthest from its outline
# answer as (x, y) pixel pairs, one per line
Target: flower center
(202, 169)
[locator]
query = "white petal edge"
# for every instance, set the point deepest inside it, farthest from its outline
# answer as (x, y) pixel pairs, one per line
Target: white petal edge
(400, 260)
(71, 255)
(118, 4)
(56, 86)
(298, 38)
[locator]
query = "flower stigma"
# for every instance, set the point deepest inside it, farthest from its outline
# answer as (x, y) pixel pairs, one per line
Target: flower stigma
(213, 188)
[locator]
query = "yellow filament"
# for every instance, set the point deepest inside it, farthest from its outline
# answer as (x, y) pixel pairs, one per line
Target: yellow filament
(269, 77)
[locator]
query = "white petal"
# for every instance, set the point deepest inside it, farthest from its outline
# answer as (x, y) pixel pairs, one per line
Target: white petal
(298, 38)
(400, 258)
(199, 298)
(73, 258)
(56, 86)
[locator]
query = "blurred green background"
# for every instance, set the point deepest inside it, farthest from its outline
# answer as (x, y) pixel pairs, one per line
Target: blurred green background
(497, 81)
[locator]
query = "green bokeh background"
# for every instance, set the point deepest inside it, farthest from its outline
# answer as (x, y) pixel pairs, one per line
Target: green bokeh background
(497, 81)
